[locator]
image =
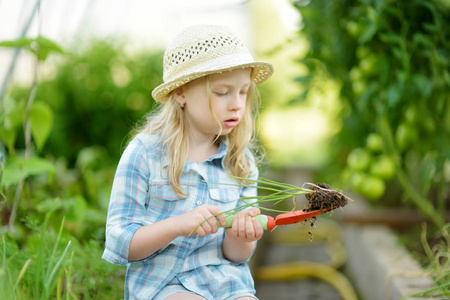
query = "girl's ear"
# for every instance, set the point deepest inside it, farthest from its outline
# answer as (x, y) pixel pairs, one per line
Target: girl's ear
(178, 94)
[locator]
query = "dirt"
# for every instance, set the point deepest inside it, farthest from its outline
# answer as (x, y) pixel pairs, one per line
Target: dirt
(323, 198)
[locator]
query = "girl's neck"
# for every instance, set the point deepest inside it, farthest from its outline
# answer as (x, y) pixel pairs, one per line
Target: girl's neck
(201, 150)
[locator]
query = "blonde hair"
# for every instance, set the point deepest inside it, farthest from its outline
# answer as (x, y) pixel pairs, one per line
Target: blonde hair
(170, 123)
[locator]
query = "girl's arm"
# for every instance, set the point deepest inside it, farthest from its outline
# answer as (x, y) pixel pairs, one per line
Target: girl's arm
(240, 239)
(150, 238)
(127, 237)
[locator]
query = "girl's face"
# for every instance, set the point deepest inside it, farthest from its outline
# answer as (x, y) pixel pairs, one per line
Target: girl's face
(228, 102)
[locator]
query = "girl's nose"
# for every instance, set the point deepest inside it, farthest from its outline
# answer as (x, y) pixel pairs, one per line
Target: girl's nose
(237, 101)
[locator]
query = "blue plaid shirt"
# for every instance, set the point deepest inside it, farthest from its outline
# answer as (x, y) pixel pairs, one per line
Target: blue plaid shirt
(142, 195)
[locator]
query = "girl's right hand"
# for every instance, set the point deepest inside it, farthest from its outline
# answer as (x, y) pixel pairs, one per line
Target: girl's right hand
(203, 216)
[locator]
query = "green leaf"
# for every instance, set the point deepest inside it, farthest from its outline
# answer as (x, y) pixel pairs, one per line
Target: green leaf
(17, 169)
(74, 209)
(391, 38)
(18, 43)
(12, 173)
(39, 46)
(8, 137)
(9, 123)
(37, 165)
(422, 39)
(368, 33)
(41, 123)
(423, 84)
(46, 46)
(13, 117)
(50, 205)
(393, 94)
(371, 28)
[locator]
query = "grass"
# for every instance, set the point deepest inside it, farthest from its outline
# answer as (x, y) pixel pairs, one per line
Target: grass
(52, 264)
(436, 261)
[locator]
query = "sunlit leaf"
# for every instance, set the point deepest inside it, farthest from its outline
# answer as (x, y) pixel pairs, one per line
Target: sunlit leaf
(39, 46)
(46, 46)
(37, 165)
(8, 137)
(12, 173)
(17, 169)
(18, 43)
(41, 123)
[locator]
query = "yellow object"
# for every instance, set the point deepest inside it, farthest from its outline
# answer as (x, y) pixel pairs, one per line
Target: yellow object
(301, 270)
(327, 232)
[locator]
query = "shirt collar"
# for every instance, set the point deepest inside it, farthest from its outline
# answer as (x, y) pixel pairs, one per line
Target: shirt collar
(217, 158)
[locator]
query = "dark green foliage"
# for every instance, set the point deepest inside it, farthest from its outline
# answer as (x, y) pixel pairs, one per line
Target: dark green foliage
(392, 61)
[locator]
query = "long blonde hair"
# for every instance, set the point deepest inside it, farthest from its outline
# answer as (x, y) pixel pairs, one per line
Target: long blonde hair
(170, 123)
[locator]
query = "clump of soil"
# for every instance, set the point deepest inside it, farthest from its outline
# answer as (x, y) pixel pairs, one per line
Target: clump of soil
(324, 197)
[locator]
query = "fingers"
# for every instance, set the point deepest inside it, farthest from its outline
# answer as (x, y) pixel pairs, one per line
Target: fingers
(259, 231)
(254, 211)
(208, 217)
(246, 227)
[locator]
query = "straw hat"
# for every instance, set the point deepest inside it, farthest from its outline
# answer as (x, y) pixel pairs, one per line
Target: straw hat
(200, 50)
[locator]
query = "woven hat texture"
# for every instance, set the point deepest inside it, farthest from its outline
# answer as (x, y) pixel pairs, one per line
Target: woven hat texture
(201, 50)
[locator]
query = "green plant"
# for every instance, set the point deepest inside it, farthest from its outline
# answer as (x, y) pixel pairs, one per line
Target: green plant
(37, 121)
(97, 93)
(274, 193)
(41, 270)
(437, 255)
(40, 194)
(55, 265)
(391, 60)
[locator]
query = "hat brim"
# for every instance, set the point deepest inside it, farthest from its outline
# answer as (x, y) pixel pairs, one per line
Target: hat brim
(261, 72)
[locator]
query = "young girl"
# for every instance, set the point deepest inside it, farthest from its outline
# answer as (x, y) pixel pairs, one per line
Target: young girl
(173, 176)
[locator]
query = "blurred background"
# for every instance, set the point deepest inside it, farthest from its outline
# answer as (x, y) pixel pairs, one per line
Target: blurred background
(359, 100)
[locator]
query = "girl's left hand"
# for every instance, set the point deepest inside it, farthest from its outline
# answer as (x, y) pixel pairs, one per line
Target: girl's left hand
(245, 226)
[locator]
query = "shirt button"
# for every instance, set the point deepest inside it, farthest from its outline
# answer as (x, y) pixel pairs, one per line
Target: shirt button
(199, 202)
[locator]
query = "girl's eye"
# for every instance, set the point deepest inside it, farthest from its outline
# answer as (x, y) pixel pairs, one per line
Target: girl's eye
(244, 92)
(220, 94)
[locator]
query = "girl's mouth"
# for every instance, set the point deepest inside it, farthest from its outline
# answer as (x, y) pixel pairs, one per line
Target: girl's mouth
(231, 122)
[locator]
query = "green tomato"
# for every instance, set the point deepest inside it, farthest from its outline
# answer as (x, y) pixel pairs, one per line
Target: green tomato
(359, 86)
(383, 167)
(373, 187)
(369, 64)
(412, 115)
(405, 136)
(353, 29)
(357, 181)
(374, 142)
(355, 74)
(359, 159)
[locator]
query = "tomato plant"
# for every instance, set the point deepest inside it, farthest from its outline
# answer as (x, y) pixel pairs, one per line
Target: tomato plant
(391, 59)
